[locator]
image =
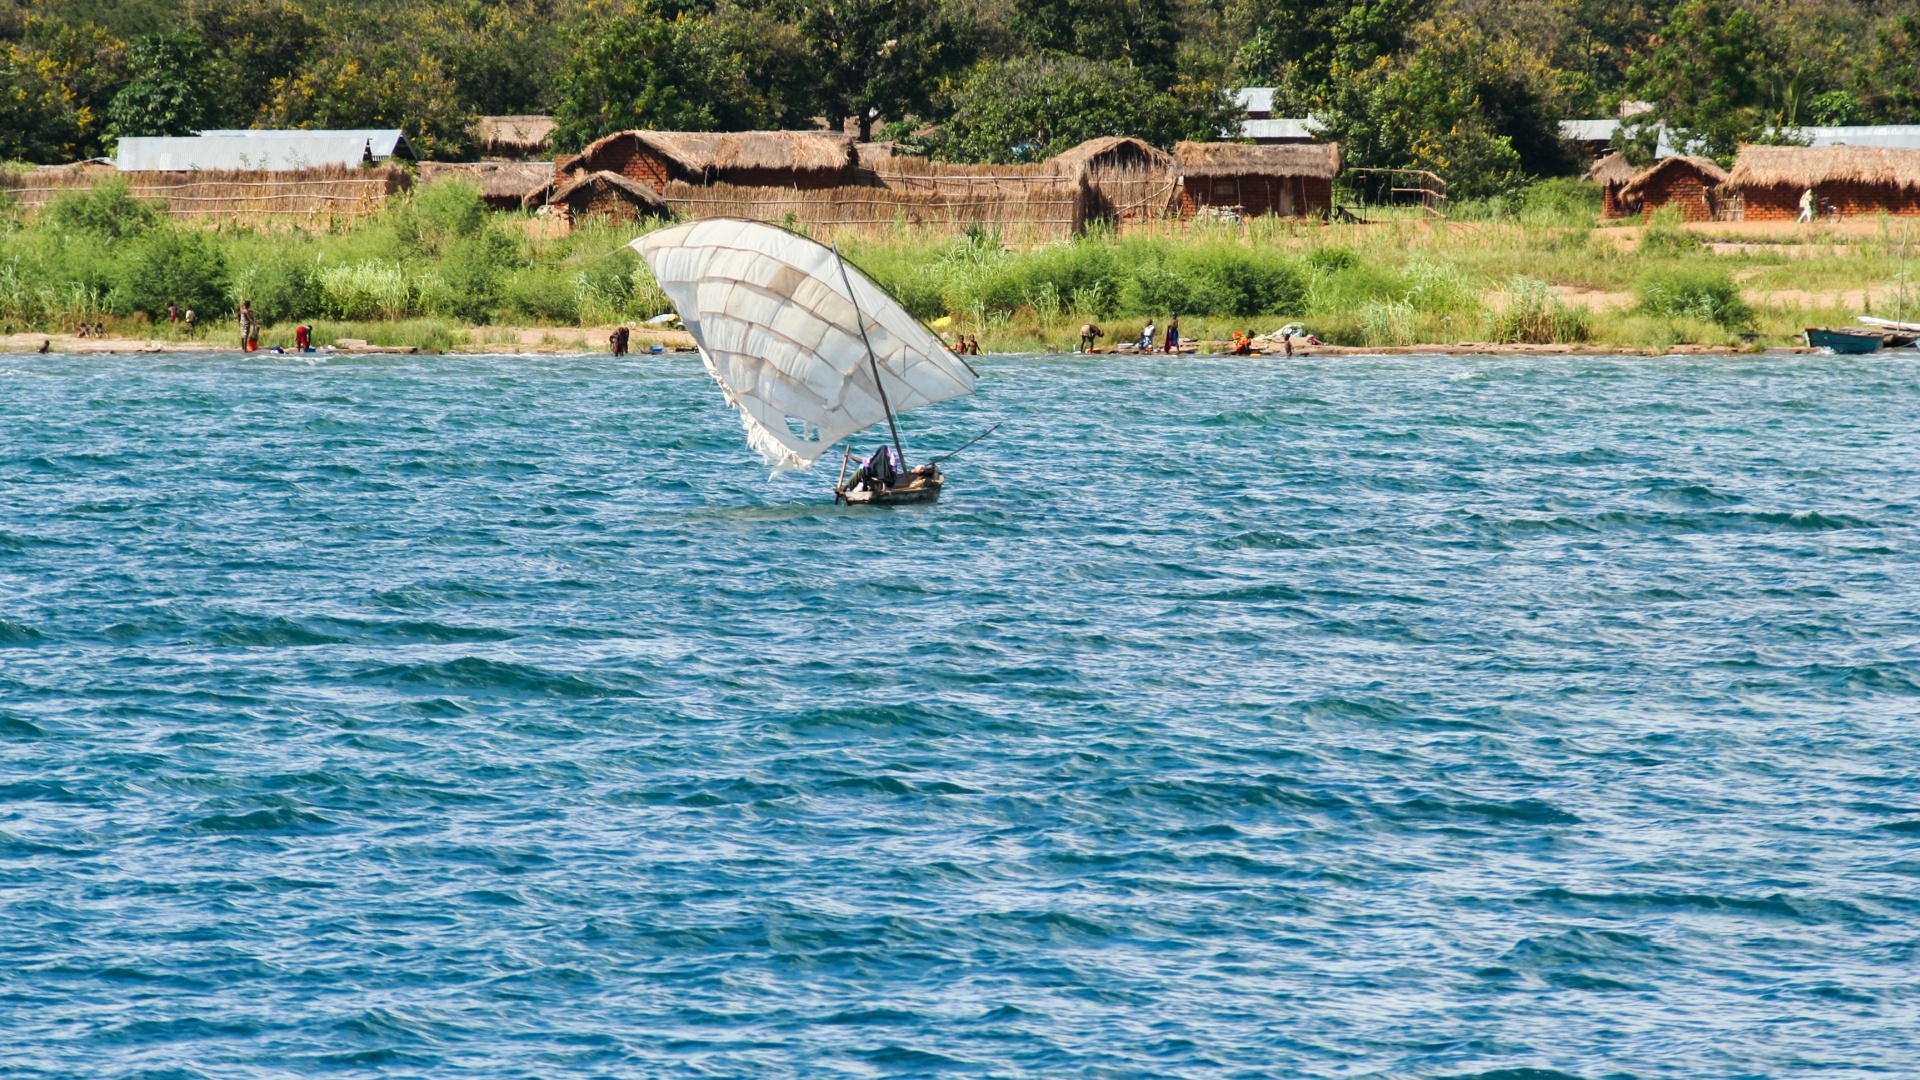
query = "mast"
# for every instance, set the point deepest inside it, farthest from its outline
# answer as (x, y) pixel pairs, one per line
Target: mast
(871, 361)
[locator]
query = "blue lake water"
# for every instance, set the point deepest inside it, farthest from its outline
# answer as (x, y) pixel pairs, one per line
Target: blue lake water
(1405, 717)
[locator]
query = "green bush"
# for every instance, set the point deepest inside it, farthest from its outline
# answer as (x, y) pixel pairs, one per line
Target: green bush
(474, 267)
(429, 217)
(1534, 316)
(1328, 260)
(542, 296)
(1052, 280)
(1703, 293)
(1567, 201)
(373, 289)
(174, 266)
(917, 290)
(282, 288)
(1347, 290)
(1227, 280)
(1665, 237)
(107, 209)
(1154, 288)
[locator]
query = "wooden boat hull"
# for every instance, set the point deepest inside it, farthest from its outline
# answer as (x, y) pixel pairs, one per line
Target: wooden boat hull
(1846, 342)
(923, 489)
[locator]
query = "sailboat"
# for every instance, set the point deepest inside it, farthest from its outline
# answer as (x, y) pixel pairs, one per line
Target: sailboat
(807, 349)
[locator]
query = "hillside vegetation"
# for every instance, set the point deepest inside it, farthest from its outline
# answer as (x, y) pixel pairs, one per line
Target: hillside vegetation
(436, 263)
(1471, 89)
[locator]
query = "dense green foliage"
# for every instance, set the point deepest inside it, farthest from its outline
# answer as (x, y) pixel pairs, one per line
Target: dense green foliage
(1471, 89)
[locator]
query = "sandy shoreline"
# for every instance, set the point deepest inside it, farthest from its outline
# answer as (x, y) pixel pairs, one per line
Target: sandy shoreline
(576, 342)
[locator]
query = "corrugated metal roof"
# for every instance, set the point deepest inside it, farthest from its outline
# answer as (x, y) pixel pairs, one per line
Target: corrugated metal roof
(1280, 128)
(1255, 100)
(267, 151)
(1588, 130)
(1895, 136)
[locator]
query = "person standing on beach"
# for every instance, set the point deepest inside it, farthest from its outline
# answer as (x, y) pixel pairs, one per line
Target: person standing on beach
(1173, 333)
(249, 331)
(1806, 205)
(1089, 334)
(1146, 337)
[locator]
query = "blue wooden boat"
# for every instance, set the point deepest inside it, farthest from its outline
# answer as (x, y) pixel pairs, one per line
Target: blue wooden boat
(1849, 342)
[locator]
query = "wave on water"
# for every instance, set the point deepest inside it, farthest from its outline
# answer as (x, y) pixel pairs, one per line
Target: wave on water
(1490, 718)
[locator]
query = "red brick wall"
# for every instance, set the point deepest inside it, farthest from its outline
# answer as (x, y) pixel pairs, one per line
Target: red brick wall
(1680, 188)
(1782, 203)
(1610, 201)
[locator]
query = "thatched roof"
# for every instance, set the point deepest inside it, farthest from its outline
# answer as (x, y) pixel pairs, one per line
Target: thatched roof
(1711, 175)
(515, 136)
(584, 186)
(1320, 161)
(1807, 166)
(501, 182)
(1109, 150)
(1612, 170)
(707, 153)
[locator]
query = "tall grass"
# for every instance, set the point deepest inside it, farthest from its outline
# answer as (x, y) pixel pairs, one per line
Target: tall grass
(435, 259)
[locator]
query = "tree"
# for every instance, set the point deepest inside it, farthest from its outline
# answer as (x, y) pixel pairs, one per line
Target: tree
(1035, 107)
(174, 266)
(37, 122)
(502, 56)
(89, 66)
(1297, 45)
(255, 43)
(1706, 77)
(390, 85)
(648, 70)
(1144, 32)
(880, 57)
(1426, 113)
(172, 89)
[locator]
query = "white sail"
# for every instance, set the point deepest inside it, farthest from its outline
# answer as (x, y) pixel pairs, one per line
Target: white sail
(775, 324)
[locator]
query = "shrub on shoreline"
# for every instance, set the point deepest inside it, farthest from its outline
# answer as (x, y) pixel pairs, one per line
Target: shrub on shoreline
(1707, 294)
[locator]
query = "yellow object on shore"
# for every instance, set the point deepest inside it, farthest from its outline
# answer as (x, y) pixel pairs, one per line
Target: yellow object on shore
(942, 322)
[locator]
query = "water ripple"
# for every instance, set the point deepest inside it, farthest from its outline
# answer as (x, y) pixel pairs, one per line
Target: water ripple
(1492, 718)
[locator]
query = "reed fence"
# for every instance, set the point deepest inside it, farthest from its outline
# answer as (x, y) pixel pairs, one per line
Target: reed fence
(310, 196)
(1022, 211)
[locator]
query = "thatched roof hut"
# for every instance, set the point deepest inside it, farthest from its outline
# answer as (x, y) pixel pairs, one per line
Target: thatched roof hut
(1612, 170)
(1612, 173)
(1851, 179)
(504, 185)
(807, 159)
(1217, 160)
(604, 193)
(1651, 177)
(1810, 166)
(1286, 179)
(516, 137)
(1110, 152)
(1689, 184)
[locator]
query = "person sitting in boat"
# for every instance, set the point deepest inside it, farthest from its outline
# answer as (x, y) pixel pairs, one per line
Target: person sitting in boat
(878, 471)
